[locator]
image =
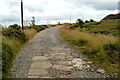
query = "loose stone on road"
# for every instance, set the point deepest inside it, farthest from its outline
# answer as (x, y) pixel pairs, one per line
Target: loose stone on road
(48, 56)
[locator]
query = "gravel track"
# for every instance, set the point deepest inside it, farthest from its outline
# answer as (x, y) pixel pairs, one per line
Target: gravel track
(64, 61)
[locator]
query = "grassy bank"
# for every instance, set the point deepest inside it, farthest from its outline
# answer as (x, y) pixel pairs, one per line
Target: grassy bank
(108, 27)
(10, 47)
(101, 49)
(13, 39)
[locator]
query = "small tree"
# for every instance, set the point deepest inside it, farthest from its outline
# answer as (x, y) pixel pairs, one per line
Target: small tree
(86, 21)
(91, 20)
(32, 21)
(80, 22)
(58, 22)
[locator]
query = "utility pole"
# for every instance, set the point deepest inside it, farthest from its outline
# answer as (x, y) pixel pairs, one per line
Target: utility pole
(22, 13)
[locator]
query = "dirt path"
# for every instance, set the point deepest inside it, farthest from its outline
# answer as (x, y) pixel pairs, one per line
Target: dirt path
(48, 56)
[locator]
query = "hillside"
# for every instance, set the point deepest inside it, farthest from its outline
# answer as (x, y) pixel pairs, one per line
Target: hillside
(98, 42)
(108, 27)
(112, 16)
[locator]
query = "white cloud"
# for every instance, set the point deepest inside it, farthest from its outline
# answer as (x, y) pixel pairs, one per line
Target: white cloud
(55, 10)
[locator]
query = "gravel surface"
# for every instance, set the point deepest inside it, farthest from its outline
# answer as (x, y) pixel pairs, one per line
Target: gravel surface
(48, 56)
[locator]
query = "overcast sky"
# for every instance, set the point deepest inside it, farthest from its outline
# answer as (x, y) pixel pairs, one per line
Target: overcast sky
(52, 11)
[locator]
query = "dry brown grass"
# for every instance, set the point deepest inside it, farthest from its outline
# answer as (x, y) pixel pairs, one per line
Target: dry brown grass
(94, 40)
(50, 25)
(93, 43)
(12, 43)
(108, 25)
(30, 33)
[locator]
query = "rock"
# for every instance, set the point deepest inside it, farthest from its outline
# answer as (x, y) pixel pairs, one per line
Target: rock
(66, 63)
(33, 77)
(92, 70)
(88, 66)
(41, 65)
(46, 77)
(37, 72)
(69, 57)
(40, 58)
(60, 57)
(78, 63)
(90, 62)
(75, 60)
(63, 68)
(84, 58)
(101, 71)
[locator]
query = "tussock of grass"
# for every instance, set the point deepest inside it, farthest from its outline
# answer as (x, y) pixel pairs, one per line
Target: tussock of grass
(92, 45)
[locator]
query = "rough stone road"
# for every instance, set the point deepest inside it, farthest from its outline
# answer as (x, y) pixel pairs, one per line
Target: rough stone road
(48, 56)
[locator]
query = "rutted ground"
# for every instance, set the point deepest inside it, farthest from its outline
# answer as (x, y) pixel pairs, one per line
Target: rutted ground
(48, 56)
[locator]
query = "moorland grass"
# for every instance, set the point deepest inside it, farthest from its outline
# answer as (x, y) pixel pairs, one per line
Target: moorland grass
(92, 45)
(12, 42)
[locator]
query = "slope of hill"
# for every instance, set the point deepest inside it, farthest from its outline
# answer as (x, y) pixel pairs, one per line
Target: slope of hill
(112, 16)
(98, 42)
(106, 27)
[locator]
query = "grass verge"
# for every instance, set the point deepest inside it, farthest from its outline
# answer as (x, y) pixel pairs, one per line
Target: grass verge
(93, 46)
(12, 42)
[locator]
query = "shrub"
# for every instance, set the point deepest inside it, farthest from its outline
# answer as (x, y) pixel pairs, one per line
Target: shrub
(40, 28)
(45, 26)
(100, 31)
(86, 21)
(13, 33)
(115, 33)
(29, 27)
(91, 20)
(74, 26)
(80, 22)
(104, 32)
(7, 57)
(89, 51)
(112, 46)
(112, 50)
(15, 26)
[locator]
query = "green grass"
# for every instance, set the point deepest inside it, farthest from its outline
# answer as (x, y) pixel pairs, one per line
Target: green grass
(91, 23)
(14, 33)
(107, 25)
(38, 28)
(104, 32)
(12, 42)
(0, 55)
(92, 45)
(9, 47)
